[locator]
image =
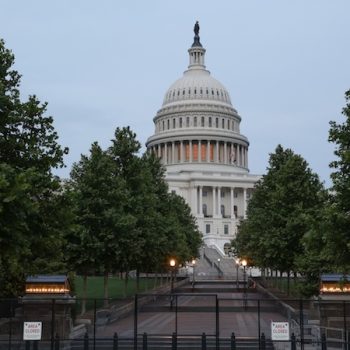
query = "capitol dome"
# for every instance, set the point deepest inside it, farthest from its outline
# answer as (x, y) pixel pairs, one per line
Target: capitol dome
(197, 137)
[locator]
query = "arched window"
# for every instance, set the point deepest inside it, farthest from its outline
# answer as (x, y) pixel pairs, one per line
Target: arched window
(209, 122)
(195, 121)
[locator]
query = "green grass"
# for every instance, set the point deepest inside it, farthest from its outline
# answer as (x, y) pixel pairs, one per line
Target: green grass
(116, 287)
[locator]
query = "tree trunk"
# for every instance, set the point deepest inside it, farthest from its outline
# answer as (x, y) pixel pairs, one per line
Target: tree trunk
(83, 302)
(137, 281)
(126, 281)
(105, 289)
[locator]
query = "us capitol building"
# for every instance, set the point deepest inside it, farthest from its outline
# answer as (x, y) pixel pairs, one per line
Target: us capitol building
(197, 136)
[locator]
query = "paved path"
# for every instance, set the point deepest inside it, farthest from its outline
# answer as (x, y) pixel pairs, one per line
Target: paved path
(196, 314)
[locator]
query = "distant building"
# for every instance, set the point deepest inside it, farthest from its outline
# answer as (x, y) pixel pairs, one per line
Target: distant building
(197, 136)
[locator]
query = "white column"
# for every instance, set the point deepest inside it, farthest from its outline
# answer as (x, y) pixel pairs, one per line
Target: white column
(166, 153)
(246, 157)
(244, 202)
(201, 200)
(159, 151)
(232, 203)
(199, 151)
(225, 152)
(214, 202)
(191, 158)
(238, 155)
(208, 151)
(181, 151)
(173, 152)
(217, 152)
(219, 202)
(231, 154)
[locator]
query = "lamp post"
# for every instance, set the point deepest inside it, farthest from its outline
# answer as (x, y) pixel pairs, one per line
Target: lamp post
(244, 264)
(237, 265)
(194, 271)
(172, 264)
(219, 267)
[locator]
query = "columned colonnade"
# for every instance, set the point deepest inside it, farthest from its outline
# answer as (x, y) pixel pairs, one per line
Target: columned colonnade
(216, 194)
(202, 151)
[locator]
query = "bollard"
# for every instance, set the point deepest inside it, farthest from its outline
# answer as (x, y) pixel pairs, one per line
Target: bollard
(57, 342)
(323, 342)
(144, 341)
(293, 342)
(115, 341)
(233, 341)
(86, 341)
(263, 342)
(204, 341)
(174, 342)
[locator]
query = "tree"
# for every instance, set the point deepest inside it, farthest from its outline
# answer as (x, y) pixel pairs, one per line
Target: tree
(278, 213)
(31, 216)
(338, 236)
(100, 197)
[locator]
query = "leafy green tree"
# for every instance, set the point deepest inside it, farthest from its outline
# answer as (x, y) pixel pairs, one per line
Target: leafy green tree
(278, 213)
(338, 236)
(99, 198)
(30, 196)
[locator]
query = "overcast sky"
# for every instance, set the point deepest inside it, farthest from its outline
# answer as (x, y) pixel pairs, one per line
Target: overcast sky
(103, 64)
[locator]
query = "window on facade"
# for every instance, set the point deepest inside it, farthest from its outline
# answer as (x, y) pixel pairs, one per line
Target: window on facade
(207, 228)
(212, 92)
(195, 151)
(217, 122)
(174, 123)
(180, 122)
(201, 91)
(222, 194)
(195, 121)
(233, 126)
(210, 122)
(228, 124)
(205, 193)
(163, 125)
(168, 122)
(235, 194)
(187, 121)
(226, 229)
(235, 211)
(183, 92)
(205, 210)
(202, 121)
(187, 152)
(195, 91)
(203, 151)
(222, 209)
(223, 123)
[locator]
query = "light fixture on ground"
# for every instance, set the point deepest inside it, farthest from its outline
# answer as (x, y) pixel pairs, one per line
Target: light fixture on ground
(244, 264)
(194, 271)
(237, 261)
(219, 269)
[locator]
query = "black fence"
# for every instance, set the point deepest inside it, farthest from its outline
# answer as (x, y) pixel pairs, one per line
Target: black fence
(175, 321)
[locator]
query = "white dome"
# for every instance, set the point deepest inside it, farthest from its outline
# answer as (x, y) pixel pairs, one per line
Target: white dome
(197, 85)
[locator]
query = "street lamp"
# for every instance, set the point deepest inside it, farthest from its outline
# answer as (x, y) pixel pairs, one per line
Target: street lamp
(219, 267)
(172, 264)
(194, 271)
(244, 264)
(237, 261)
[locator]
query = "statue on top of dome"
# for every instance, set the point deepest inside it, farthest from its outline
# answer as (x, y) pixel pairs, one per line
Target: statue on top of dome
(196, 28)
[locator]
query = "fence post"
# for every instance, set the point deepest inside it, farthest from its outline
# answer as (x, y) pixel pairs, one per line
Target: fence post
(263, 341)
(204, 341)
(144, 341)
(233, 341)
(217, 323)
(323, 342)
(57, 342)
(301, 325)
(115, 341)
(135, 321)
(35, 345)
(27, 344)
(53, 323)
(174, 341)
(86, 341)
(10, 326)
(293, 342)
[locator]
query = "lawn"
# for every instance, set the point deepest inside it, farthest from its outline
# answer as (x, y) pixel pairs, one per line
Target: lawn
(116, 288)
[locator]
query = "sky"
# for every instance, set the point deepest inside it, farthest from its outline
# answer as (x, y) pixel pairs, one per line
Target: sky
(104, 64)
